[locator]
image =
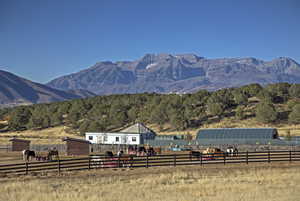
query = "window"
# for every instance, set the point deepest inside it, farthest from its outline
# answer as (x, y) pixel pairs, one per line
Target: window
(117, 139)
(90, 137)
(133, 139)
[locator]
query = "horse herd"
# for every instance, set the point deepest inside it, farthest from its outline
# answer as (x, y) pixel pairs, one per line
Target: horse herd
(110, 160)
(126, 160)
(212, 153)
(28, 155)
(143, 151)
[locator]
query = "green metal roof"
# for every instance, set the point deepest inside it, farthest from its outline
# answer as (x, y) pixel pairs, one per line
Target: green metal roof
(237, 133)
(212, 142)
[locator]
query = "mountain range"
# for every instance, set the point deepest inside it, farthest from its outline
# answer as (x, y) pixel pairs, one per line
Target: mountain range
(15, 90)
(160, 73)
(166, 73)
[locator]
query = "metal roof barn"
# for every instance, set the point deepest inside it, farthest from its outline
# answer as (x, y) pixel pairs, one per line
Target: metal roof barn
(237, 133)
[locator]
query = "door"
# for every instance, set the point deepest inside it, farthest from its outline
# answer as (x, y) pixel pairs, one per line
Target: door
(124, 139)
(100, 139)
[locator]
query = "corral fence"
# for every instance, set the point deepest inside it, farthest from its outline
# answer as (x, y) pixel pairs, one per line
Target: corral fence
(5, 148)
(193, 158)
(166, 145)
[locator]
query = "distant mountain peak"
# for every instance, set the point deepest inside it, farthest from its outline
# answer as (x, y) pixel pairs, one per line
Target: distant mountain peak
(15, 90)
(287, 60)
(164, 73)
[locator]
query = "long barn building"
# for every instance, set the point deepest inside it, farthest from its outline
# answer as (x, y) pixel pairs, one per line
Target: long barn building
(238, 133)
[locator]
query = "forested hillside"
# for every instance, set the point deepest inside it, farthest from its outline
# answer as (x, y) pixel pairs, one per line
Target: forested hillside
(275, 103)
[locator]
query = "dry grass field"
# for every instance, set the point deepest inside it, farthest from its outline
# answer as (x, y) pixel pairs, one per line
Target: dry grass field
(46, 136)
(259, 182)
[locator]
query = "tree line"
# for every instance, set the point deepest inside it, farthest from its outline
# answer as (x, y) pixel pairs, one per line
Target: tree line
(269, 104)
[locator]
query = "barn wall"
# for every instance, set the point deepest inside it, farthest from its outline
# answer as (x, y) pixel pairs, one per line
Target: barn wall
(20, 146)
(77, 148)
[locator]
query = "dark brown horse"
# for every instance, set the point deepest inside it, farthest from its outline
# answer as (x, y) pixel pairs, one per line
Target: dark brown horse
(196, 154)
(28, 155)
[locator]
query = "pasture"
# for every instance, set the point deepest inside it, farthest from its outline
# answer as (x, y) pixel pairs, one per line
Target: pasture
(234, 182)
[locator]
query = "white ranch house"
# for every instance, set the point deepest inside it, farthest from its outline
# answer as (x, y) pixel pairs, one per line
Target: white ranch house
(133, 135)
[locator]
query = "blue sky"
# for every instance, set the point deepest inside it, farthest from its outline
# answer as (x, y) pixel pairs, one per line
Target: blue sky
(44, 39)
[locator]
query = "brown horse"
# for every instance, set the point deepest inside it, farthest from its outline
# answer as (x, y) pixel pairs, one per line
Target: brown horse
(125, 161)
(51, 154)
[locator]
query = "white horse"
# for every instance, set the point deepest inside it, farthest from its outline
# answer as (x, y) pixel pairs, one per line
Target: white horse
(231, 151)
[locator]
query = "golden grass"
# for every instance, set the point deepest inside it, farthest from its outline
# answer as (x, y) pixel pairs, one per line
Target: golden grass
(45, 136)
(265, 183)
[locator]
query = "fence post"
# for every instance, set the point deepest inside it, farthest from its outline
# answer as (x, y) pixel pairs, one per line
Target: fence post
(26, 168)
(269, 157)
(201, 159)
(174, 160)
(58, 166)
(290, 156)
(247, 157)
(147, 161)
(224, 156)
(89, 162)
(119, 161)
(131, 161)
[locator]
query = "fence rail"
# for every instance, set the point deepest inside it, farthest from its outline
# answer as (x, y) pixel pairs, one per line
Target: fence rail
(100, 161)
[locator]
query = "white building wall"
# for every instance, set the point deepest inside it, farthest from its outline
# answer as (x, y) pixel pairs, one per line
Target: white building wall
(114, 138)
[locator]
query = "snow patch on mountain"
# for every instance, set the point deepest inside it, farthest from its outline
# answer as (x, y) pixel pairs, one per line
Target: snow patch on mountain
(151, 65)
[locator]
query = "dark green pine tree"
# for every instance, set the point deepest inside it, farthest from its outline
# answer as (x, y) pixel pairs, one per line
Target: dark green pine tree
(266, 113)
(240, 114)
(19, 118)
(294, 116)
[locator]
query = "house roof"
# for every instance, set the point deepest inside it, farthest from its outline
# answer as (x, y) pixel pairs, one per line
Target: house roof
(237, 133)
(137, 128)
(110, 133)
(19, 140)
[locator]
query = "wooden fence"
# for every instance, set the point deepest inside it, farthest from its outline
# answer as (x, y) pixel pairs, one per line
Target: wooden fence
(100, 161)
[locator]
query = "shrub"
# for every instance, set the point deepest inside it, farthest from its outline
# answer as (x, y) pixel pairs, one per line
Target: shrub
(294, 116)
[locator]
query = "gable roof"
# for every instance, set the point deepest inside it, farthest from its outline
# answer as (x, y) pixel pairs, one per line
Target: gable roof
(19, 140)
(137, 128)
(237, 133)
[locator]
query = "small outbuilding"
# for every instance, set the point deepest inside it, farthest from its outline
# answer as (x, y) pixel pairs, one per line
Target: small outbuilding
(77, 146)
(19, 144)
